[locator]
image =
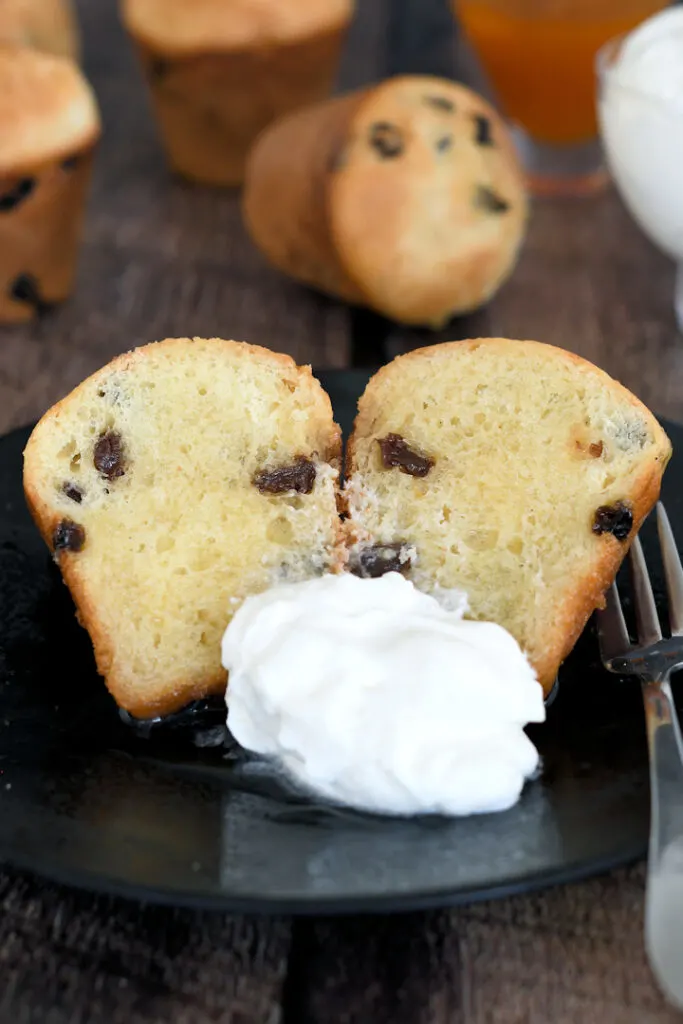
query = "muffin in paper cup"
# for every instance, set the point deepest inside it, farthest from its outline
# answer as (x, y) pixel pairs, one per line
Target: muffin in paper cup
(49, 125)
(219, 71)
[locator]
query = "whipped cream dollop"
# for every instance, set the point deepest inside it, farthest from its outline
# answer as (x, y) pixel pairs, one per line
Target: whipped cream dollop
(382, 697)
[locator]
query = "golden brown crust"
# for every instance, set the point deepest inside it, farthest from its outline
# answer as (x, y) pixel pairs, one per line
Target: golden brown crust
(588, 591)
(176, 27)
(411, 230)
(48, 25)
(285, 199)
(47, 109)
(170, 694)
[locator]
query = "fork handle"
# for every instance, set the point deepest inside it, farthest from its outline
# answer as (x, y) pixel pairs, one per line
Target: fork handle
(664, 896)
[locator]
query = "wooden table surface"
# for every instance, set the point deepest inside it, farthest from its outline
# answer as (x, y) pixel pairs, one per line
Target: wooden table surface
(160, 258)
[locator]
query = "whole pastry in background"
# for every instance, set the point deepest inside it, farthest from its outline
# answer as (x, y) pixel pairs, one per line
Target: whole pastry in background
(48, 25)
(405, 197)
(49, 125)
(515, 471)
(170, 485)
(220, 70)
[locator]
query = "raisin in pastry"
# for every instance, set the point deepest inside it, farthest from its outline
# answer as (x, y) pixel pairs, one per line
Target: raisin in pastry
(542, 471)
(49, 125)
(171, 484)
(219, 72)
(406, 197)
(47, 25)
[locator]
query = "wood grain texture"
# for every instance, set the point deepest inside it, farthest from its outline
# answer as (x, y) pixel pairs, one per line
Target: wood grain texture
(69, 958)
(161, 258)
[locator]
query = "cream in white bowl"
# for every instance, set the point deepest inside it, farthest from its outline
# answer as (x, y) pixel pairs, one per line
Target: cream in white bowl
(640, 107)
(382, 697)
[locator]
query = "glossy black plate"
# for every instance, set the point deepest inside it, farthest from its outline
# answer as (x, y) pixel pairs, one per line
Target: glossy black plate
(169, 813)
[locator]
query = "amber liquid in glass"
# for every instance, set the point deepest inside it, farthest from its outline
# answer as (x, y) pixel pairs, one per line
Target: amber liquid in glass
(539, 56)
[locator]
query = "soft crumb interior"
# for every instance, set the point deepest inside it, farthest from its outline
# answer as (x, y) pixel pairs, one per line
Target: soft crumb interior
(183, 535)
(526, 449)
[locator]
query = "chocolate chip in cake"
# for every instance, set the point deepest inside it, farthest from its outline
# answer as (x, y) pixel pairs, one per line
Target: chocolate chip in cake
(68, 536)
(12, 197)
(397, 452)
(297, 476)
(387, 139)
(483, 135)
(616, 519)
(108, 455)
(486, 198)
(596, 449)
(25, 288)
(440, 103)
(378, 559)
(73, 491)
(444, 143)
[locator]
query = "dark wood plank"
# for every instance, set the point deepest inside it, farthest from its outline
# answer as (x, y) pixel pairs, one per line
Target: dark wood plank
(71, 958)
(570, 955)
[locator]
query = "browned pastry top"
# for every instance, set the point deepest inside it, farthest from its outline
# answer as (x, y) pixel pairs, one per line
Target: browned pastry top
(181, 27)
(46, 108)
(48, 25)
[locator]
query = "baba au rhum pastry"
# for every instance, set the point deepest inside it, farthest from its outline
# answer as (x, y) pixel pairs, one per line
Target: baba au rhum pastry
(511, 469)
(406, 197)
(49, 125)
(171, 484)
(220, 70)
(48, 25)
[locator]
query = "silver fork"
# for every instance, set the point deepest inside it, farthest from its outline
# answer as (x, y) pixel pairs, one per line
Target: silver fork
(653, 659)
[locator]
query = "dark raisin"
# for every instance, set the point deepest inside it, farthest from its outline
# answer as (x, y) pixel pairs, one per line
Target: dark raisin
(25, 288)
(298, 476)
(397, 452)
(483, 135)
(596, 449)
(68, 536)
(73, 491)
(108, 455)
(71, 162)
(616, 519)
(387, 139)
(444, 143)
(379, 559)
(440, 103)
(16, 195)
(486, 199)
(158, 67)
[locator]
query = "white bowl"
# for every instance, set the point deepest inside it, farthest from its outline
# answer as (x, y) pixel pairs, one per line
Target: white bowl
(640, 110)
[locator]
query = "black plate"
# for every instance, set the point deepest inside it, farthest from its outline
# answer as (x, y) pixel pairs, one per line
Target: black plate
(161, 814)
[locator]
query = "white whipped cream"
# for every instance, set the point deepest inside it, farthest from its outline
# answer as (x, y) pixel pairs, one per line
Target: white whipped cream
(641, 118)
(377, 695)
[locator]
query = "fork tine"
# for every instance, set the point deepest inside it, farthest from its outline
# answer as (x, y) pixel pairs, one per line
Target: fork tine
(673, 571)
(647, 620)
(612, 633)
